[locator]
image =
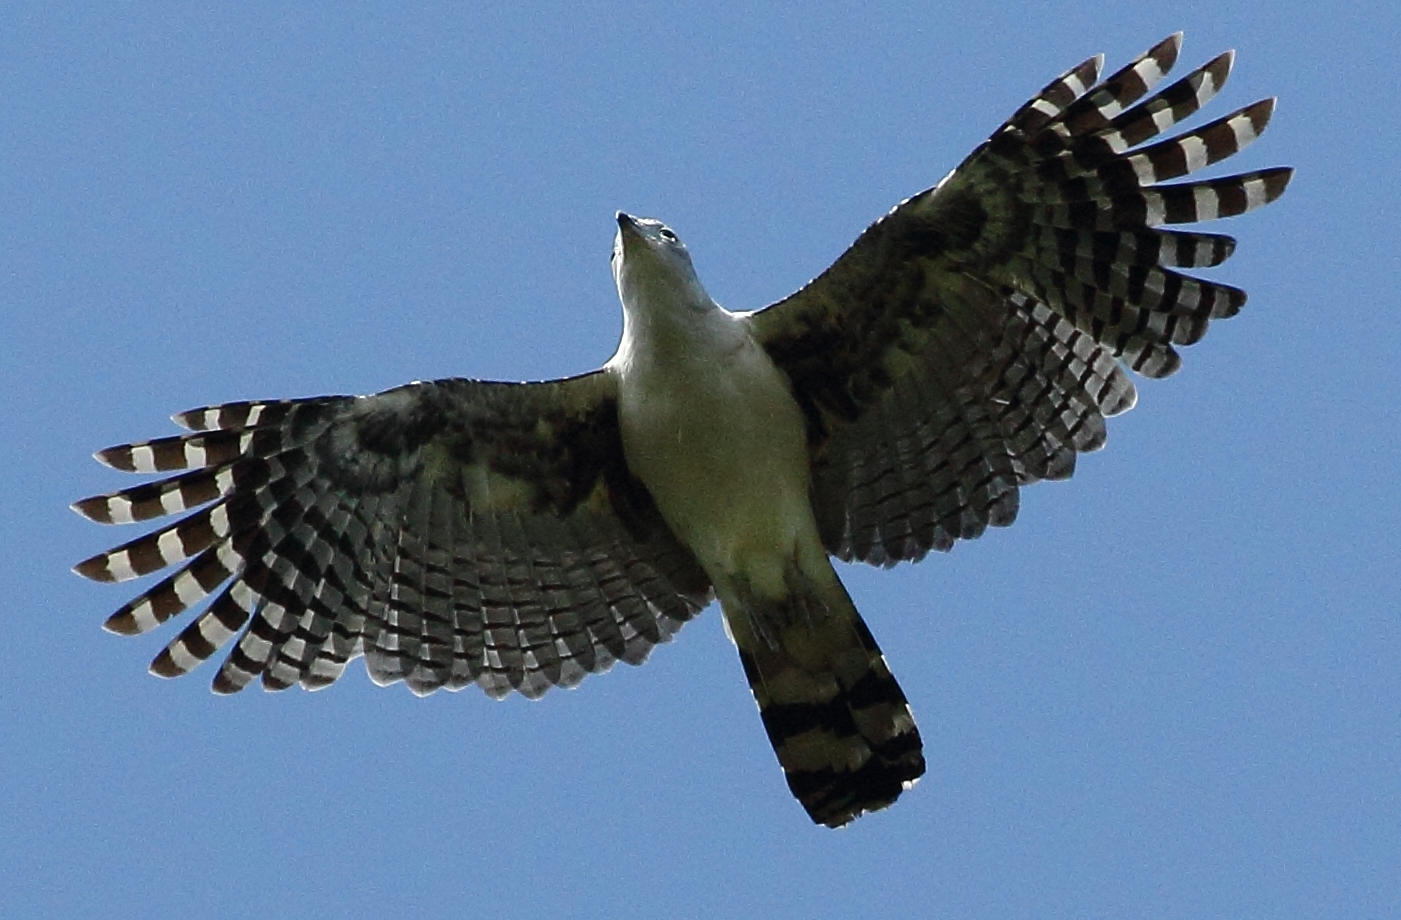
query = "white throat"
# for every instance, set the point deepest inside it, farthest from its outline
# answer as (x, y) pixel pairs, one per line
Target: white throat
(668, 318)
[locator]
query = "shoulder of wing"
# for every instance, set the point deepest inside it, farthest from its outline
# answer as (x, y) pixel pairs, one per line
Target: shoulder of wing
(556, 435)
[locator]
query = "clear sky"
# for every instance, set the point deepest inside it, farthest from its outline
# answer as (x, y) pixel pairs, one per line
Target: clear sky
(1171, 690)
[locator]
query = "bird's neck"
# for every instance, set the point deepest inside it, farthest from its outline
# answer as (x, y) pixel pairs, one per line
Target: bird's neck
(671, 324)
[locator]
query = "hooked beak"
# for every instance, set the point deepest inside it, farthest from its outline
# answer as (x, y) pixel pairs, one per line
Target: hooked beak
(630, 235)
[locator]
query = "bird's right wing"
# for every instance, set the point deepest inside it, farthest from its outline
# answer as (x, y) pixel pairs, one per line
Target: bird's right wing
(971, 340)
(452, 532)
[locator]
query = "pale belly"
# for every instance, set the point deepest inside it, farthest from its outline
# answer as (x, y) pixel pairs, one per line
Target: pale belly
(722, 448)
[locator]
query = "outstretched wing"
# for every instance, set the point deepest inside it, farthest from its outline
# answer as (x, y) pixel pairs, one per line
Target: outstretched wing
(971, 340)
(451, 532)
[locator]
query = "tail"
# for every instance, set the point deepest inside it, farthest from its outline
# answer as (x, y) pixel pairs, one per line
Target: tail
(838, 721)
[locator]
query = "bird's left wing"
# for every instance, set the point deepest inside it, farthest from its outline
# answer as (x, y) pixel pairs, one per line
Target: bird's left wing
(970, 341)
(453, 532)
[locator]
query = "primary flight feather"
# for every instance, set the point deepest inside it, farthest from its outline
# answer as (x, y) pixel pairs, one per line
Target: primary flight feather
(519, 536)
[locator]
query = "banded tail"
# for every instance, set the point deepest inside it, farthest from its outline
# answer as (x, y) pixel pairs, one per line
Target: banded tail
(837, 719)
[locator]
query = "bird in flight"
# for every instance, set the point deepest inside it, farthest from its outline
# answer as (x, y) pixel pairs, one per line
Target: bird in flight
(519, 536)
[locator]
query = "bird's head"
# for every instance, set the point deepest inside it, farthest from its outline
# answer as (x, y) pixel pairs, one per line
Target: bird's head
(652, 267)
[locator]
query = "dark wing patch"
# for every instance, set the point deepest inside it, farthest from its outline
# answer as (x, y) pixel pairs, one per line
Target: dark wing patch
(971, 340)
(452, 532)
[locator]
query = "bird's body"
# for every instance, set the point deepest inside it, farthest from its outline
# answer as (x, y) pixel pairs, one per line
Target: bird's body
(710, 426)
(521, 536)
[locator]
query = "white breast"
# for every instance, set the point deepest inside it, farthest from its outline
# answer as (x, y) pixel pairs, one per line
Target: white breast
(711, 428)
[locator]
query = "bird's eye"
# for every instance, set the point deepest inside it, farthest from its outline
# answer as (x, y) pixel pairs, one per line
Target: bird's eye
(667, 235)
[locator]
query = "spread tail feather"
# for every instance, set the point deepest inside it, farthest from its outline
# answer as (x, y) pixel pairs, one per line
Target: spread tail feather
(838, 721)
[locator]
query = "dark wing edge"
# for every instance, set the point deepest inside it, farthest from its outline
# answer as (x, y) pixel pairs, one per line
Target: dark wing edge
(974, 339)
(452, 532)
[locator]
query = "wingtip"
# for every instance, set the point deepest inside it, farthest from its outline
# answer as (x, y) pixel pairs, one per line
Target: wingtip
(122, 623)
(164, 666)
(1259, 115)
(1167, 51)
(97, 508)
(223, 686)
(1276, 181)
(95, 568)
(83, 506)
(108, 458)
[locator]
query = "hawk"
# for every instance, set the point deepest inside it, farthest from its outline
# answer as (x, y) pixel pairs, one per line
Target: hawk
(519, 536)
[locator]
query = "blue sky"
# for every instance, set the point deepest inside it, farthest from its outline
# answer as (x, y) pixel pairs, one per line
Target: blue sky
(1172, 689)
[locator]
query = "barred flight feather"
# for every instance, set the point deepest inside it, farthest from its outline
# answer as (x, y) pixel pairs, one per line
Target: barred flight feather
(1095, 110)
(332, 547)
(1046, 106)
(1174, 104)
(1042, 255)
